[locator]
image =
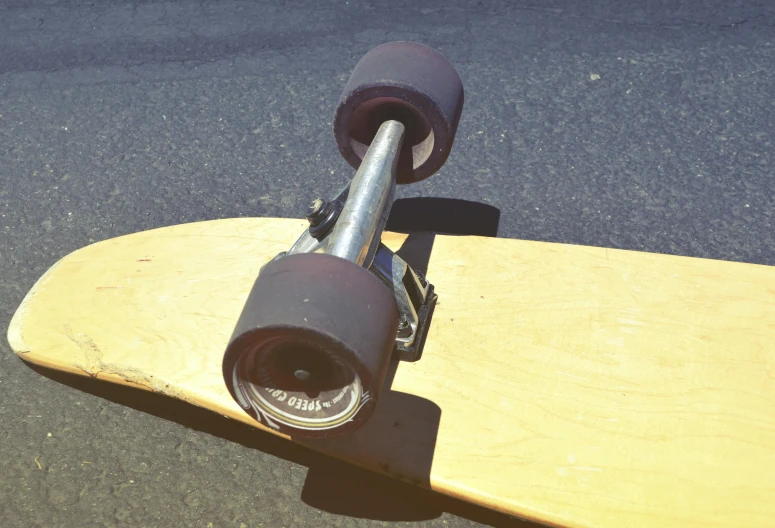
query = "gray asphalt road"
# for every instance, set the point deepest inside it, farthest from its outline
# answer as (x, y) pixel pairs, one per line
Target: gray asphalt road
(625, 124)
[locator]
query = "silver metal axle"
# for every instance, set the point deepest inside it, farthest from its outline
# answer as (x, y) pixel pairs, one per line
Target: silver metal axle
(356, 234)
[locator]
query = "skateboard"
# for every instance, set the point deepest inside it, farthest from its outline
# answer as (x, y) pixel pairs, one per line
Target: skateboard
(565, 384)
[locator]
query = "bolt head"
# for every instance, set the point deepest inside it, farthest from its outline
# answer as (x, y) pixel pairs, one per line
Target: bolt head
(317, 212)
(302, 375)
(404, 328)
(315, 207)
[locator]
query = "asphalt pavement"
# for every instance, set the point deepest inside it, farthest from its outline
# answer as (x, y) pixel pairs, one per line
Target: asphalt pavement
(621, 124)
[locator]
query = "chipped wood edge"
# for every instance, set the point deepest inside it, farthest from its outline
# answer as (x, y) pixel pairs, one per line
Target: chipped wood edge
(14, 335)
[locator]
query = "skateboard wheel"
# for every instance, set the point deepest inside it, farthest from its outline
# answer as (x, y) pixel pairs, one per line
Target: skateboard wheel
(406, 82)
(310, 351)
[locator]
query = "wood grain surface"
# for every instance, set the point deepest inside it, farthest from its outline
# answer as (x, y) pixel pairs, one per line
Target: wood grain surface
(576, 386)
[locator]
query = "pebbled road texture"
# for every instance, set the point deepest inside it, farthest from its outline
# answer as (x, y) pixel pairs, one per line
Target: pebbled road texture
(623, 124)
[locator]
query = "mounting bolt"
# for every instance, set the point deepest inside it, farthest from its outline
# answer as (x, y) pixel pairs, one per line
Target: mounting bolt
(404, 328)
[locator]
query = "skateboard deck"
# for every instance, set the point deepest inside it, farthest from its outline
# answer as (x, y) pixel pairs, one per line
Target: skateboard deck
(571, 385)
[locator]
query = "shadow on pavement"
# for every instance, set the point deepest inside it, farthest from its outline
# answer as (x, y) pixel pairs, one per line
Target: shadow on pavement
(331, 485)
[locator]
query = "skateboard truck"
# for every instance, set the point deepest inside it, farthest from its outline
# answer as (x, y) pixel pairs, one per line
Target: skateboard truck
(351, 225)
(310, 352)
